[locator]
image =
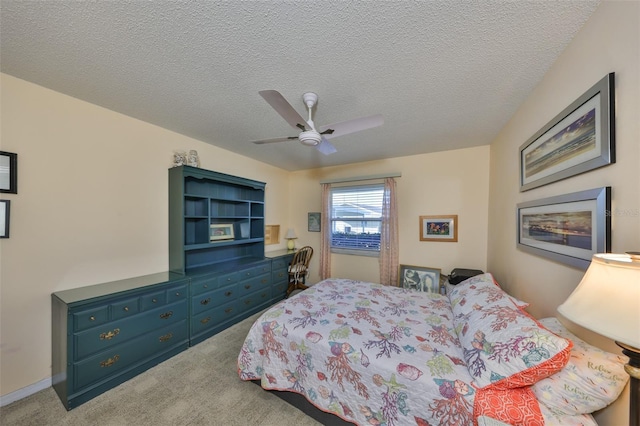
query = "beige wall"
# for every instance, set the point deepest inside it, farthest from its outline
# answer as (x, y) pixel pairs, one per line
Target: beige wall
(609, 42)
(451, 182)
(91, 207)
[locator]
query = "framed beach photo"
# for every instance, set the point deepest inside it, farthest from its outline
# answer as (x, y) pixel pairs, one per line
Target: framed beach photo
(221, 231)
(567, 228)
(579, 139)
(5, 209)
(419, 278)
(439, 228)
(8, 172)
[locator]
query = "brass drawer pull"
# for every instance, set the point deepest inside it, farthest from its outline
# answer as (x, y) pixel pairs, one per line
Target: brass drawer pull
(92, 318)
(166, 315)
(205, 286)
(166, 337)
(154, 300)
(177, 294)
(126, 309)
(109, 362)
(205, 301)
(205, 320)
(226, 311)
(247, 302)
(247, 286)
(264, 280)
(109, 335)
(228, 293)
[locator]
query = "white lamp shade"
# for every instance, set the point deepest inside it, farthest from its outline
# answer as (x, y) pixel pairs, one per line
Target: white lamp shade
(291, 234)
(607, 300)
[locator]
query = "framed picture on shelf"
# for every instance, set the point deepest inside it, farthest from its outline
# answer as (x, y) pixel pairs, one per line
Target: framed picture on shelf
(419, 278)
(313, 222)
(568, 228)
(439, 228)
(5, 207)
(8, 172)
(579, 139)
(221, 231)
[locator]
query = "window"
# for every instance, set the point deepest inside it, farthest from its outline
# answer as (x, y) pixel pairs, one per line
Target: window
(356, 218)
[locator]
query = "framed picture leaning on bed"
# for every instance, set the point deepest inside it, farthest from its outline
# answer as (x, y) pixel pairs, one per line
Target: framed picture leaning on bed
(419, 278)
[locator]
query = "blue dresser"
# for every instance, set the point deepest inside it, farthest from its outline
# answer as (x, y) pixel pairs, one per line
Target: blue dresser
(107, 333)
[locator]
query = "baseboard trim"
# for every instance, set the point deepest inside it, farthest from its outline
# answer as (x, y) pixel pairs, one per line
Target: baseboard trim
(25, 392)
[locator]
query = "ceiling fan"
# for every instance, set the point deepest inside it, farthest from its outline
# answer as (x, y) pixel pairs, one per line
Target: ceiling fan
(310, 135)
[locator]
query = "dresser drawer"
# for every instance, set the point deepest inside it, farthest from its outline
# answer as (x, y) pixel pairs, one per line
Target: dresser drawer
(228, 279)
(153, 300)
(90, 317)
(254, 299)
(203, 284)
(254, 284)
(124, 308)
(280, 264)
(177, 293)
(279, 275)
(124, 356)
(116, 332)
(260, 269)
(279, 289)
(213, 317)
(209, 300)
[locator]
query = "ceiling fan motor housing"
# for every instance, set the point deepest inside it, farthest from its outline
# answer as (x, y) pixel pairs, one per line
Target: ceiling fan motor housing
(310, 138)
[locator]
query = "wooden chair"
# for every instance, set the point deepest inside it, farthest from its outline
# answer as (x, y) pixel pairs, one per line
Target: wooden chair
(299, 269)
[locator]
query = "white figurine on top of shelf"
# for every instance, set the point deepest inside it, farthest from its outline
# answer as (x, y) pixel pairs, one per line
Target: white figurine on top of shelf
(192, 159)
(179, 158)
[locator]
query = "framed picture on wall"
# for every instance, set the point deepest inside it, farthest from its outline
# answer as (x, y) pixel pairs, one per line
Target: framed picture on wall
(568, 228)
(8, 172)
(313, 221)
(5, 209)
(579, 139)
(419, 278)
(439, 228)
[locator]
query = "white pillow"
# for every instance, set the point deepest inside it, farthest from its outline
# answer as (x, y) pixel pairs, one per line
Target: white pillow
(591, 380)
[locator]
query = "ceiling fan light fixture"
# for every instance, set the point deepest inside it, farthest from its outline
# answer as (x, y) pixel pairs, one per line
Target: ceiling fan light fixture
(310, 138)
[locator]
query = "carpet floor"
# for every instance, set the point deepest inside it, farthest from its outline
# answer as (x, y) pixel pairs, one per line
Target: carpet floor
(199, 386)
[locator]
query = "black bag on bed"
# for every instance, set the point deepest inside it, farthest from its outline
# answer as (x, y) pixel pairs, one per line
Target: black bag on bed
(459, 274)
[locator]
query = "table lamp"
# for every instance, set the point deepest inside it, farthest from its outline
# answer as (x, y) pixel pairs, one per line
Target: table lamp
(291, 235)
(607, 301)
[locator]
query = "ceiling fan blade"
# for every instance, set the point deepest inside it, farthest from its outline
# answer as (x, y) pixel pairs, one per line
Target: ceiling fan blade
(263, 141)
(284, 108)
(325, 147)
(351, 126)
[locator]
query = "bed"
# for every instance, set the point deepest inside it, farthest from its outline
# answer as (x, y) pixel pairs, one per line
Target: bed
(372, 354)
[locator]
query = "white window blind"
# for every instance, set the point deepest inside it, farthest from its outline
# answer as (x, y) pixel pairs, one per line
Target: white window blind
(356, 216)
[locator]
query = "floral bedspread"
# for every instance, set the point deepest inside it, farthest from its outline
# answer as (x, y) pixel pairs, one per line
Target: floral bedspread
(367, 353)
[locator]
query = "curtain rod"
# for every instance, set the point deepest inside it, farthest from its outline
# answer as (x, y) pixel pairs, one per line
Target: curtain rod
(358, 178)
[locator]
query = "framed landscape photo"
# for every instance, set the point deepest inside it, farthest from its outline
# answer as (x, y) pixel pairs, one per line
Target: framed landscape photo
(221, 231)
(579, 139)
(419, 278)
(439, 228)
(313, 222)
(5, 209)
(567, 228)
(8, 172)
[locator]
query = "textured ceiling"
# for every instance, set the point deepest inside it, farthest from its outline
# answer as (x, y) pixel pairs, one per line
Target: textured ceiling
(444, 74)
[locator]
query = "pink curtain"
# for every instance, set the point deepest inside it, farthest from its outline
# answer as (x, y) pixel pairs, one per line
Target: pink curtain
(389, 235)
(325, 233)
